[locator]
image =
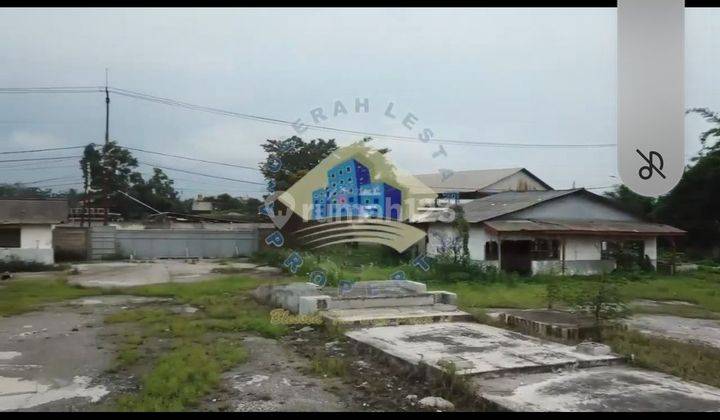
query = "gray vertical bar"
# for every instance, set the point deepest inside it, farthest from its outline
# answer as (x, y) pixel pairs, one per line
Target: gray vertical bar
(651, 94)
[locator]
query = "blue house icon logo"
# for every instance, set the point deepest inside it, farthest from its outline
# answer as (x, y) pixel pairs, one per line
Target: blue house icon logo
(349, 193)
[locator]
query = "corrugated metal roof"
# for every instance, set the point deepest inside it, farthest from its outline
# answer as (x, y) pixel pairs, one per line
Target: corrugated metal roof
(499, 204)
(466, 180)
(494, 205)
(14, 211)
(588, 227)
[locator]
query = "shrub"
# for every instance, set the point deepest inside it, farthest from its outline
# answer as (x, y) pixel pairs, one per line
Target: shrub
(15, 265)
(271, 257)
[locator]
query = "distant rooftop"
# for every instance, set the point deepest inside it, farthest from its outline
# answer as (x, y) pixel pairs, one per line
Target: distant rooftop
(474, 180)
(33, 211)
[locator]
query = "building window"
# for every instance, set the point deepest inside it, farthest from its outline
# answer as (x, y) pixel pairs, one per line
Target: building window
(367, 201)
(348, 169)
(10, 238)
(376, 201)
(351, 199)
(545, 249)
(491, 251)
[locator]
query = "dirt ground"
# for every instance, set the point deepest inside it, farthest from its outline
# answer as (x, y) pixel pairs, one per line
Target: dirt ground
(61, 358)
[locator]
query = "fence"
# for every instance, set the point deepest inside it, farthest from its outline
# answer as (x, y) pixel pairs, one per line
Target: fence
(70, 243)
(108, 242)
(184, 243)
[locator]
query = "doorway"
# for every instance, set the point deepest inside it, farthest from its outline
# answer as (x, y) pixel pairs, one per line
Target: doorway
(515, 257)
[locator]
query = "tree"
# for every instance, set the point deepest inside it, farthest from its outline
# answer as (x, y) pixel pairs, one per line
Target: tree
(158, 192)
(462, 227)
(109, 169)
(632, 202)
(601, 299)
(296, 158)
(694, 204)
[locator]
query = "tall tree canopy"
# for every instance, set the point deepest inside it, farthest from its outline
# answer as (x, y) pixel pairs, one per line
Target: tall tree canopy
(632, 202)
(694, 204)
(296, 156)
(110, 167)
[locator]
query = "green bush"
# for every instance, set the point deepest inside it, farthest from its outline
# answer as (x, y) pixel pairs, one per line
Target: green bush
(273, 257)
(15, 265)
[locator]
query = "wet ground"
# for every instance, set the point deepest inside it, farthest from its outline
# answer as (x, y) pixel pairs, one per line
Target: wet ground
(52, 360)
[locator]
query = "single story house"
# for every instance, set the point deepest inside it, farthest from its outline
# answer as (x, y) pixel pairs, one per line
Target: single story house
(26, 228)
(545, 231)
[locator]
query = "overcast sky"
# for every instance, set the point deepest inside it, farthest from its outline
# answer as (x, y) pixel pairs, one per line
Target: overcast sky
(500, 75)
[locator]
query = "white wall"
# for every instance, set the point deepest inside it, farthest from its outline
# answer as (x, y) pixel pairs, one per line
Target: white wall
(651, 249)
(35, 245)
(435, 232)
(36, 236)
(582, 253)
(583, 248)
(476, 243)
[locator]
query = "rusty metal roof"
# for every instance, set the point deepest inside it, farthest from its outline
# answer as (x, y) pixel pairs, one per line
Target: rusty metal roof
(19, 211)
(587, 227)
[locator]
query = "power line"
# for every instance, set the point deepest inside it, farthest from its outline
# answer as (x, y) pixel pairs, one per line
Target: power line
(201, 174)
(186, 105)
(39, 159)
(51, 89)
(219, 111)
(33, 167)
(189, 158)
(51, 149)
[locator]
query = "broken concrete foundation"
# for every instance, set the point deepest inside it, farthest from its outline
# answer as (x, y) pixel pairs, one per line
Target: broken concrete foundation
(412, 330)
(384, 302)
(547, 323)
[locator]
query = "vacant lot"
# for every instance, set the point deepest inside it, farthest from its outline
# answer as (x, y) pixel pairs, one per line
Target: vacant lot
(689, 295)
(202, 345)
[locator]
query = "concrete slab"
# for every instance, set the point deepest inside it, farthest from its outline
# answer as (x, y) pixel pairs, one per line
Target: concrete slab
(548, 323)
(396, 315)
(701, 331)
(50, 358)
(605, 388)
(127, 274)
(473, 348)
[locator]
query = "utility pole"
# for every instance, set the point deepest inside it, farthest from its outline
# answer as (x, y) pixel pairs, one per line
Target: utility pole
(106, 180)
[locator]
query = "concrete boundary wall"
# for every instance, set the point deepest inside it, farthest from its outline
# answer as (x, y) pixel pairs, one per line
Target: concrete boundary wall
(170, 243)
(102, 242)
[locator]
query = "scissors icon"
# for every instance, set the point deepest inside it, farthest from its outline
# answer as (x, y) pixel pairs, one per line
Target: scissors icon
(646, 171)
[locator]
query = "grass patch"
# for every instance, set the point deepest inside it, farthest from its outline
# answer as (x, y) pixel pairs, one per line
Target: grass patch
(24, 295)
(181, 378)
(688, 361)
(202, 346)
(328, 366)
